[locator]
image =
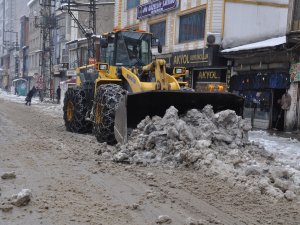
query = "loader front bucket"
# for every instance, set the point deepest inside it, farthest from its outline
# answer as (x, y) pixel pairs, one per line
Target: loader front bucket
(134, 107)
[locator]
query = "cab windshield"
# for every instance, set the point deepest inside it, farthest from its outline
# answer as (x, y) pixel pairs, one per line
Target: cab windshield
(133, 48)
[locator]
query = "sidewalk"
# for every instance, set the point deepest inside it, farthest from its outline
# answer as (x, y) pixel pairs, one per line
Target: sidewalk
(293, 134)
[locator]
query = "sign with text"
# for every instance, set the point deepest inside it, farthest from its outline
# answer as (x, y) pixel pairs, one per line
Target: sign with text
(210, 75)
(63, 66)
(295, 72)
(156, 7)
(188, 59)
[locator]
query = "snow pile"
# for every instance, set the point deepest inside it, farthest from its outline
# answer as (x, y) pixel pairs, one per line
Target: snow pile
(22, 198)
(217, 144)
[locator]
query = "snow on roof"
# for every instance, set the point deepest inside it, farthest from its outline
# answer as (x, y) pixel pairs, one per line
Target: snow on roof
(261, 44)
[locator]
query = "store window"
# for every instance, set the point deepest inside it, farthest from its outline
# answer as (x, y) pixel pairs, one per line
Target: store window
(192, 26)
(159, 31)
(132, 3)
(257, 108)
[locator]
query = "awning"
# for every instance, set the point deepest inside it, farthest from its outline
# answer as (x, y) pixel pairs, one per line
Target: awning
(258, 45)
(15, 80)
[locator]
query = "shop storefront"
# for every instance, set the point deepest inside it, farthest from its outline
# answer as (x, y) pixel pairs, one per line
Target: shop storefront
(262, 91)
(209, 79)
(205, 74)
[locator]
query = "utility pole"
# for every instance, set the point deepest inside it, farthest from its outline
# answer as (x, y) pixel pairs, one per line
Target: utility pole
(70, 6)
(47, 22)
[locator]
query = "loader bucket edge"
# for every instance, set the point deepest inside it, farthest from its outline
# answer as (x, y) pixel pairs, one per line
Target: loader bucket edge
(136, 106)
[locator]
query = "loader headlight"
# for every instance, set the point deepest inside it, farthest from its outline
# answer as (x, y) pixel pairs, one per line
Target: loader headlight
(178, 70)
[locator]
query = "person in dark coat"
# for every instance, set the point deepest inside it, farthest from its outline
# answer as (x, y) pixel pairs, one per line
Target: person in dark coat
(29, 96)
(58, 92)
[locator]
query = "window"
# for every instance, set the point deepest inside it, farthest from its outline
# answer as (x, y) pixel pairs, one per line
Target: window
(192, 26)
(133, 49)
(159, 31)
(107, 54)
(132, 3)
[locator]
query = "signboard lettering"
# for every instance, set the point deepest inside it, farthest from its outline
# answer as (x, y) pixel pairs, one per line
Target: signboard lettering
(192, 58)
(156, 7)
(210, 75)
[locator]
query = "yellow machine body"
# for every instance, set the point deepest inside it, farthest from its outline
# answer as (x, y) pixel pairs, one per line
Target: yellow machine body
(150, 89)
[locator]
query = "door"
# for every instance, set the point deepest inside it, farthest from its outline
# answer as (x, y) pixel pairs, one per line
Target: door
(277, 112)
(257, 108)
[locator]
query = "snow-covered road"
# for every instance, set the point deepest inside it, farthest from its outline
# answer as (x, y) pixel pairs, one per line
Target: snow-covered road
(70, 182)
(289, 148)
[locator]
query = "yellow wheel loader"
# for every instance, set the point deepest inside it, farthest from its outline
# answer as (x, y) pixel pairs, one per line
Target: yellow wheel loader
(127, 85)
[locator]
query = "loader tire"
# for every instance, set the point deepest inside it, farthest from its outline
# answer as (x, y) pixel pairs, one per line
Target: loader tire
(75, 109)
(106, 101)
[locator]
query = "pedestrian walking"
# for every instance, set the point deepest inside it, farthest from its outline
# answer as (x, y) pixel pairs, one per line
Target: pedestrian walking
(30, 95)
(58, 92)
(285, 103)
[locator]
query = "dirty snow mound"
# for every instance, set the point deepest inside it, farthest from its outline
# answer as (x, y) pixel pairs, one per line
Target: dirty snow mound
(215, 143)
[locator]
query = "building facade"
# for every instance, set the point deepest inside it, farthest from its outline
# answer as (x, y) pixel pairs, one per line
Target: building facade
(10, 14)
(35, 43)
(68, 32)
(24, 45)
(194, 34)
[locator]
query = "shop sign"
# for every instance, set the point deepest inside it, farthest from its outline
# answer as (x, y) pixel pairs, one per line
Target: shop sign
(71, 73)
(209, 75)
(156, 7)
(56, 69)
(188, 59)
(295, 72)
(63, 66)
(60, 68)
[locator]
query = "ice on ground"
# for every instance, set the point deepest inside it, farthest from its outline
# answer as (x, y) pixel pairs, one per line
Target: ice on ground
(286, 147)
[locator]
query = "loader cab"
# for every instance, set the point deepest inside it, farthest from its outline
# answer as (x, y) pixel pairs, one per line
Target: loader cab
(126, 48)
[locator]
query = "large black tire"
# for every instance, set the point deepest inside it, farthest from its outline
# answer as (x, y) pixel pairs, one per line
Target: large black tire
(75, 110)
(106, 101)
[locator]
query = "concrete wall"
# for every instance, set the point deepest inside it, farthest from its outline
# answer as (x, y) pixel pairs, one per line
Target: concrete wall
(252, 21)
